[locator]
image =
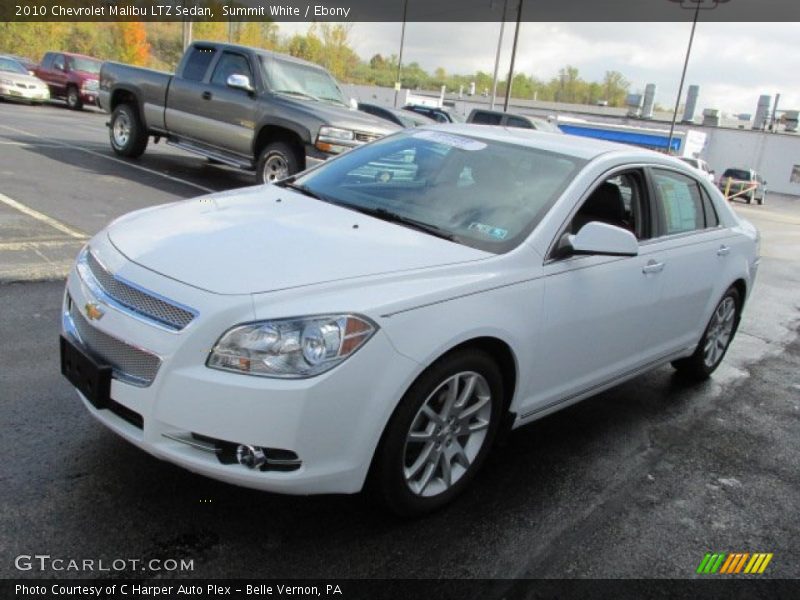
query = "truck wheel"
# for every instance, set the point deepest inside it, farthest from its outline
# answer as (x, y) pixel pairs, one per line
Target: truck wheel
(126, 132)
(276, 161)
(74, 98)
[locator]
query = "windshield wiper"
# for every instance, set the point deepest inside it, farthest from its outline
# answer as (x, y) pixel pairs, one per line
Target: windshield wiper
(296, 93)
(392, 217)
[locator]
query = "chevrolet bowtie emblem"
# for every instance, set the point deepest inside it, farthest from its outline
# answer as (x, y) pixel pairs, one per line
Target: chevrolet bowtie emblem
(93, 311)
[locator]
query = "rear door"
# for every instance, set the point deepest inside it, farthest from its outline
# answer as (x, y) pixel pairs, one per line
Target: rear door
(691, 246)
(54, 69)
(187, 93)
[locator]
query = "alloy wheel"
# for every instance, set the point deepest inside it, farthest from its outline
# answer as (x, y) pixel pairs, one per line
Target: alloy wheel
(275, 168)
(720, 331)
(121, 130)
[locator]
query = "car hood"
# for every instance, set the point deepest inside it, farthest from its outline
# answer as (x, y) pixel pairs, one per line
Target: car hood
(268, 238)
(21, 78)
(340, 116)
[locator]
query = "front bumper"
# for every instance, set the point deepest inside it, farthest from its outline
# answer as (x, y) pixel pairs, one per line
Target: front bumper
(328, 425)
(15, 92)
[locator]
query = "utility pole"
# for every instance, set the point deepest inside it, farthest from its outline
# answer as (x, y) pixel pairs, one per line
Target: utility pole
(397, 84)
(683, 79)
(497, 56)
(187, 33)
(513, 57)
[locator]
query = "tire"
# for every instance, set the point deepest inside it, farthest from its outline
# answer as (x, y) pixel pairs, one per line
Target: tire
(126, 132)
(716, 339)
(277, 161)
(760, 201)
(750, 198)
(74, 98)
(417, 476)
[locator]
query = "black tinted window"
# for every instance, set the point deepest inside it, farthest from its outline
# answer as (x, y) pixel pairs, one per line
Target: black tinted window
(517, 122)
(231, 64)
(740, 174)
(482, 118)
(197, 63)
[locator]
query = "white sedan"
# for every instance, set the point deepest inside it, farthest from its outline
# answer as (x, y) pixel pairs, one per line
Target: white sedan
(380, 318)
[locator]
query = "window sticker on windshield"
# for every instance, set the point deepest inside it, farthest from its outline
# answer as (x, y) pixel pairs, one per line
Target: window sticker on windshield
(493, 232)
(448, 139)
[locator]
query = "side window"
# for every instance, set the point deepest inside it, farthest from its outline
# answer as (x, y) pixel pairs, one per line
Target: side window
(712, 220)
(680, 202)
(47, 61)
(621, 201)
(517, 122)
(482, 118)
(231, 64)
(58, 62)
(197, 63)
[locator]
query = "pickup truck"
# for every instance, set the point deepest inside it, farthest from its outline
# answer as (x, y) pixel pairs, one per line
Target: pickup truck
(70, 76)
(245, 107)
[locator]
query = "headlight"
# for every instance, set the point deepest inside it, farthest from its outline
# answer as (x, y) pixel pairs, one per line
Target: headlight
(334, 134)
(290, 348)
(90, 84)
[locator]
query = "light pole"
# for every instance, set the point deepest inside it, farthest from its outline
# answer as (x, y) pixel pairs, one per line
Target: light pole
(400, 58)
(497, 56)
(683, 79)
(513, 57)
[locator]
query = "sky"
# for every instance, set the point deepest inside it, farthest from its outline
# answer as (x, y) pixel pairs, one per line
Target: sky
(733, 63)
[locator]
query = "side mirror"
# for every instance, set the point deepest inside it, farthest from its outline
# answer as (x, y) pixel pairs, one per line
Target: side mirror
(240, 82)
(604, 239)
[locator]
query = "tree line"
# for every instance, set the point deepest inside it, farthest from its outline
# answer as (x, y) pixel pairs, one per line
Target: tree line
(159, 46)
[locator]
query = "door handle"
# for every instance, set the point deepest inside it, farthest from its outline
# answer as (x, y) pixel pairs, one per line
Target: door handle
(206, 95)
(724, 250)
(653, 267)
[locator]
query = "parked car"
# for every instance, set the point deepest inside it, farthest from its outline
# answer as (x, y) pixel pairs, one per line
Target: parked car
(17, 84)
(480, 116)
(702, 166)
(73, 77)
(440, 115)
(248, 108)
(29, 64)
(743, 184)
(403, 118)
(357, 323)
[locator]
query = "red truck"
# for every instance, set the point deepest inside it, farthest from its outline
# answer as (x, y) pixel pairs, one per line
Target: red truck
(73, 77)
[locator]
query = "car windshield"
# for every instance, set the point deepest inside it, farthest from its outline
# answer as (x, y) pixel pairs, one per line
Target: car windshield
(737, 174)
(11, 65)
(481, 193)
(88, 65)
(303, 81)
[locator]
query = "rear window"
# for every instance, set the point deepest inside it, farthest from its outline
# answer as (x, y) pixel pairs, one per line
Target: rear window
(197, 63)
(737, 174)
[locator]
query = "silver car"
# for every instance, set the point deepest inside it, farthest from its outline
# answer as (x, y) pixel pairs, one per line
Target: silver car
(17, 84)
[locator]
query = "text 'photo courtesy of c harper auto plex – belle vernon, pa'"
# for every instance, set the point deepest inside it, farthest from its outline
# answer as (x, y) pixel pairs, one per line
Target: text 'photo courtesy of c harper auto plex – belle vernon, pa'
(400, 299)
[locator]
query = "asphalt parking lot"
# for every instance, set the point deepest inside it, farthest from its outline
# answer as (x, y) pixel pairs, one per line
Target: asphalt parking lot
(640, 481)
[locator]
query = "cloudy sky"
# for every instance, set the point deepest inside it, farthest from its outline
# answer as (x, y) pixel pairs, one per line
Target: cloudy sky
(733, 63)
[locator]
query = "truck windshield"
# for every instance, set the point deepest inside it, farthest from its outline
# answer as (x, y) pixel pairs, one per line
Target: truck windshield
(87, 65)
(482, 193)
(295, 79)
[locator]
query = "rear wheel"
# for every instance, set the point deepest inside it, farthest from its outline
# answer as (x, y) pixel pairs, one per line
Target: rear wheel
(74, 98)
(126, 132)
(277, 161)
(440, 434)
(715, 341)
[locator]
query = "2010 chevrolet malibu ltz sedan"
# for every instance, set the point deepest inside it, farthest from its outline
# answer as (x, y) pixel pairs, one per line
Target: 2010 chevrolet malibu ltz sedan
(378, 319)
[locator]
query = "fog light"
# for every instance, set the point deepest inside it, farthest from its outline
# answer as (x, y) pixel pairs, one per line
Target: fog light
(251, 457)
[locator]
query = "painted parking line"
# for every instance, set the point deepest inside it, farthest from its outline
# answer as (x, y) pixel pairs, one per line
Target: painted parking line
(111, 158)
(43, 218)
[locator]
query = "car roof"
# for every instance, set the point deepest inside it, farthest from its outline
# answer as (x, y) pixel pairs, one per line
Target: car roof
(571, 145)
(259, 51)
(76, 55)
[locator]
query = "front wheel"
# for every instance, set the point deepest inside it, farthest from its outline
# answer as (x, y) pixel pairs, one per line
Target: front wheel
(277, 161)
(126, 132)
(440, 434)
(74, 98)
(715, 341)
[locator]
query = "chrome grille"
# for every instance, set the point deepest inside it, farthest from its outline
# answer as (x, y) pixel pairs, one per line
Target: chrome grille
(147, 305)
(364, 137)
(130, 364)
